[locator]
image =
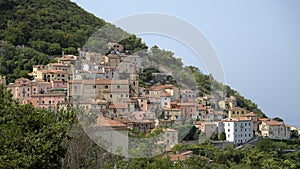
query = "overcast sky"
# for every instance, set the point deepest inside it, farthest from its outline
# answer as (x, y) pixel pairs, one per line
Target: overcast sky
(258, 43)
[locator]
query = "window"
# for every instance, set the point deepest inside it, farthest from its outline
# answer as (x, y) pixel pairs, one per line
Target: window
(118, 86)
(94, 86)
(49, 101)
(228, 130)
(106, 87)
(110, 95)
(121, 95)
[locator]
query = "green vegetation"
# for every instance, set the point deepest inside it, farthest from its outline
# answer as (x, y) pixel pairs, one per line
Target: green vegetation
(46, 28)
(31, 138)
(268, 154)
(17, 62)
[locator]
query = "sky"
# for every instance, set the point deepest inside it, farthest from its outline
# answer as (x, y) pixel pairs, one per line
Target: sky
(258, 44)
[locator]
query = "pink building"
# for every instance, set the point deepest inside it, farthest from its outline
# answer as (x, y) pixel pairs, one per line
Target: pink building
(48, 100)
(37, 92)
(58, 84)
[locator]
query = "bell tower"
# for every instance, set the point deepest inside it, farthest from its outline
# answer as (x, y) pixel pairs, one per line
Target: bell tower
(134, 80)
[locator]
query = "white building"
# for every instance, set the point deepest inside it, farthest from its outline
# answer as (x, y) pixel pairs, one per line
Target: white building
(165, 100)
(238, 130)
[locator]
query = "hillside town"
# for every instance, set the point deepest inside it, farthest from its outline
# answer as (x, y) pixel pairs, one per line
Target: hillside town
(109, 85)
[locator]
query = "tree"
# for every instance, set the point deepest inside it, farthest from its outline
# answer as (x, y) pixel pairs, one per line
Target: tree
(214, 136)
(223, 136)
(278, 119)
(294, 134)
(31, 138)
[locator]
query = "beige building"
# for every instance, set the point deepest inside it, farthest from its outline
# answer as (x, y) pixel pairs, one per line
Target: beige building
(2, 80)
(51, 75)
(68, 59)
(208, 128)
(274, 130)
(116, 91)
(111, 135)
(252, 116)
(169, 138)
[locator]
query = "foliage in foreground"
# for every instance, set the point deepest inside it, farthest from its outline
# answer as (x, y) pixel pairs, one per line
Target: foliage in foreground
(30, 137)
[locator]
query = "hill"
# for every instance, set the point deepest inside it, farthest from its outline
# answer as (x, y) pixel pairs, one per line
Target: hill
(31, 31)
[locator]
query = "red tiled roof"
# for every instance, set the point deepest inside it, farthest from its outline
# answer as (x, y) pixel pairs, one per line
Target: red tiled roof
(69, 58)
(117, 106)
(106, 122)
(263, 119)
(251, 114)
(274, 123)
(58, 64)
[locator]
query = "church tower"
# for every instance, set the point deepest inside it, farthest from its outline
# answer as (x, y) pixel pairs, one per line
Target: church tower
(134, 80)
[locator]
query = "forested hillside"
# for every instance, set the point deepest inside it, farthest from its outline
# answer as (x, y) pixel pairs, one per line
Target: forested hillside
(48, 26)
(31, 31)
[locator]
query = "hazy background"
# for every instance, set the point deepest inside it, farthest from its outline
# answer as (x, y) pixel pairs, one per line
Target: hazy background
(258, 43)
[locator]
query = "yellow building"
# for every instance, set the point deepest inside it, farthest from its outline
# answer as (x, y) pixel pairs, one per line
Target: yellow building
(237, 112)
(51, 75)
